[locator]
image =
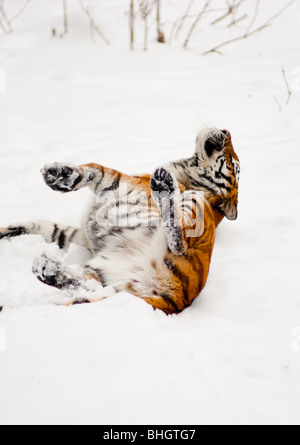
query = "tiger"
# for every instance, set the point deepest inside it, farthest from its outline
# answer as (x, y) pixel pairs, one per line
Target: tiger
(148, 235)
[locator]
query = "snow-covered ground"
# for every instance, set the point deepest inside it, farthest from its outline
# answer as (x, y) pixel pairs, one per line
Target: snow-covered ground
(234, 356)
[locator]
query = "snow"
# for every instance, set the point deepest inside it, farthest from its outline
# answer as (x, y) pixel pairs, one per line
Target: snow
(233, 357)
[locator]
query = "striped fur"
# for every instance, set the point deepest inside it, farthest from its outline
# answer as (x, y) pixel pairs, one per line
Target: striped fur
(152, 236)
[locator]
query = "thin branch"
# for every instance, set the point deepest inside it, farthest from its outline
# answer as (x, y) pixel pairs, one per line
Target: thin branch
(236, 21)
(131, 24)
(194, 25)
(146, 29)
(249, 34)
(236, 39)
(181, 21)
(3, 27)
(66, 27)
(257, 5)
(278, 103)
(158, 10)
(5, 22)
(20, 11)
(160, 35)
(232, 8)
(145, 9)
(94, 26)
(281, 11)
(287, 85)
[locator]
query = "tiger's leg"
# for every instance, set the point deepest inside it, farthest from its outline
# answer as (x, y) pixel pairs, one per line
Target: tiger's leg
(68, 177)
(51, 232)
(80, 289)
(166, 194)
(182, 214)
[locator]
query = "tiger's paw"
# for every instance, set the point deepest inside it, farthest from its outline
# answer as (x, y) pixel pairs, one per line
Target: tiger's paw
(52, 272)
(12, 232)
(46, 270)
(61, 177)
(163, 182)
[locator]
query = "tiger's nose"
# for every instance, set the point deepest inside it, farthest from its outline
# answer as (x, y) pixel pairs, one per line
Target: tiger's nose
(226, 132)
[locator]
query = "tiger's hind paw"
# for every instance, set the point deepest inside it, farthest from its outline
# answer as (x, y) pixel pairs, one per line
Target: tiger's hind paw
(61, 177)
(52, 272)
(46, 270)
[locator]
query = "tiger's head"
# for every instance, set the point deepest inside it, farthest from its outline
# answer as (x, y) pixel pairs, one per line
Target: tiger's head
(217, 170)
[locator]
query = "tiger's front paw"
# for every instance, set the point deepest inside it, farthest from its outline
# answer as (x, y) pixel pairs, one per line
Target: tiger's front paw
(163, 182)
(11, 232)
(61, 177)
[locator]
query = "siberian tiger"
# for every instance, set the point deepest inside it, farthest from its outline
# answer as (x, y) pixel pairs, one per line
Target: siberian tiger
(152, 236)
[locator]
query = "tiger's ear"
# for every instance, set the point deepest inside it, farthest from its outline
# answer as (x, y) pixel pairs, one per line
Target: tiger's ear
(230, 208)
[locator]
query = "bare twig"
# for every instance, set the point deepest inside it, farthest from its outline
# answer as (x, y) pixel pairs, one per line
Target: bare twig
(257, 5)
(93, 25)
(195, 23)
(236, 39)
(181, 21)
(287, 85)
(145, 9)
(20, 11)
(146, 29)
(185, 17)
(160, 35)
(281, 10)
(231, 8)
(5, 22)
(131, 24)
(236, 21)
(66, 26)
(268, 23)
(278, 103)
(2, 26)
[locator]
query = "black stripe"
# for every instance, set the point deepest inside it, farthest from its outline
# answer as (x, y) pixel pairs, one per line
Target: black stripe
(98, 184)
(200, 184)
(54, 233)
(100, 180)
(114, 185)
(184, 279)
(223, 186)
(192, 210)
(187, 208)
(73, 235)
(97, 273)
(81, 301)
(199, 208)
(61, 240)
(170, 302)
(228, 178)
(218, 173)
